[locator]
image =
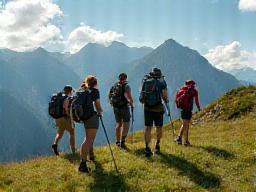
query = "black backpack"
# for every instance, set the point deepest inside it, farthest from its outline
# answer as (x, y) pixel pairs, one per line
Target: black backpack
(55, 107)
(117, 97)
(150, 94)
(82, 105)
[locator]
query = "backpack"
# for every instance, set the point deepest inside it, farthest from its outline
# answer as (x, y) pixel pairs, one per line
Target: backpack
(55, 107)
(184, 97)
(117, 97)
(82, 105)
(150, 94)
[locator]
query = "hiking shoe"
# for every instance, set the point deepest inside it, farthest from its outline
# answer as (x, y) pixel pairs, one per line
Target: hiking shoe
(148, 152)
(178, 140)
(123, 146)
(83, 167)
(187, 144)
(55, 149)
(118, 144)
(157, 149)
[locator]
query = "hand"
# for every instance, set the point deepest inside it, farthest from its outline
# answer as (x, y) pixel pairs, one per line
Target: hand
(100, 114)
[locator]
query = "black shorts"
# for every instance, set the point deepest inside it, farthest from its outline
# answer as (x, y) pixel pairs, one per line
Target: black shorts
(186, 114)
(151, 118)
(122, 114)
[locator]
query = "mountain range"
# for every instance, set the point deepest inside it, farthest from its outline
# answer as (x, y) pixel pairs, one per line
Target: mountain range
(29, 78)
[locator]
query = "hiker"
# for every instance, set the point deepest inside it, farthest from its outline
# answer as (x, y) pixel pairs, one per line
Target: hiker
(120, 98)
(154, 90)
(91, 123)
(184, 100)
(64, 123)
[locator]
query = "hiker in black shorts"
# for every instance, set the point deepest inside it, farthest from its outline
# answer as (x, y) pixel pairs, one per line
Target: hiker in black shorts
(120, 98)
(184, 100)
(154, 90)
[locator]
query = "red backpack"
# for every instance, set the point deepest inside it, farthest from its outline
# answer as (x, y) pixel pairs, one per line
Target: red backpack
(184, 97)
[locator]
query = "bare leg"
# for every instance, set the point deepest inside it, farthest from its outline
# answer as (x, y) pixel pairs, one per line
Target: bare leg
(72, 140)
(147, 135)
(118, 131)
(88, 143)
(58, 137)
(186, 123)
(126, 126)
(159, 134)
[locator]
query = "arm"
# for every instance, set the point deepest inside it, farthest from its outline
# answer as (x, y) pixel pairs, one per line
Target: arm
(197, 101)
(128, 95)
(165, 96)
(98, 107)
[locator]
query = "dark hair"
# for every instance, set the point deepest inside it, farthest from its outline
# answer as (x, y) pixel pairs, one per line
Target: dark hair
(67, 88)
(122, 76)
(90, 81)
(156, 72)
(190, 82)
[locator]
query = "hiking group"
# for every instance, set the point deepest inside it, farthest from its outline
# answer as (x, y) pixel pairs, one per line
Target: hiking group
(85, 107)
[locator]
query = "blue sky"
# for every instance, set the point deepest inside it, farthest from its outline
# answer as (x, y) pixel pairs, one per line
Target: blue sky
(201, 24)
(221, 30)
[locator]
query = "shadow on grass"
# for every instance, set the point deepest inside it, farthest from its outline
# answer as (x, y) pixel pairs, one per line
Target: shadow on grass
(107, 181)
(72, 158)
(221, 153)
(204, 179)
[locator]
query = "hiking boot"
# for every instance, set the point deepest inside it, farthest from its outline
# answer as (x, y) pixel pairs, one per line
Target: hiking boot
(178, 139)
(123, 146)
(187, 144)
(83, 167)
(55, 149)
(118, 144)
(157, 149)
(148, 152)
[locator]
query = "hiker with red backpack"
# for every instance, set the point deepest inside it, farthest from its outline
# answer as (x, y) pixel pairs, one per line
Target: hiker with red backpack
(120, 98)
(184, 100)
(59, 109)
(154, 90)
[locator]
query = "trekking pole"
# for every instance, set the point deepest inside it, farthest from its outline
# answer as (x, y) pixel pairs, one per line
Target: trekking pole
(132, 122)
(169, 114)
(103, 126)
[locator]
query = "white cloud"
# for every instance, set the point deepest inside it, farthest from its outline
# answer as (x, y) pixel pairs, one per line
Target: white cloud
(247, 5)
(82, 35)
(27, 24)
(231, 56)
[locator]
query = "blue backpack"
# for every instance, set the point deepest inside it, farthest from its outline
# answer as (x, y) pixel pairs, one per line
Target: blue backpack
(82, 105)
(150, 93)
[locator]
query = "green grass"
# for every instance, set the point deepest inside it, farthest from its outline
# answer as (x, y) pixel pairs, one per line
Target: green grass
(234, 104)
(222, 159)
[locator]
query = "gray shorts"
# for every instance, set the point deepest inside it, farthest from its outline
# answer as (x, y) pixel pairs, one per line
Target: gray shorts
(92, 122)
(122, 114)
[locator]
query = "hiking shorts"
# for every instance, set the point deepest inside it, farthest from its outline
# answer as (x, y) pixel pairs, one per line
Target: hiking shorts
(64, 123)
(151, 118)
(122, 114)
(186, 114)
(92, 122)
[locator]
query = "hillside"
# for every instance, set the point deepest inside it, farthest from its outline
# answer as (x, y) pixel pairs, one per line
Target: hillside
(234, 104)
(221, 159)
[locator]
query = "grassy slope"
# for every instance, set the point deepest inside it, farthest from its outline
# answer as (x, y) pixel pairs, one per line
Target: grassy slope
(222, 159)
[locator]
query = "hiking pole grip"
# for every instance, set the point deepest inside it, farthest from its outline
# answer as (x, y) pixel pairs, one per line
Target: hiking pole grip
(103, 126)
